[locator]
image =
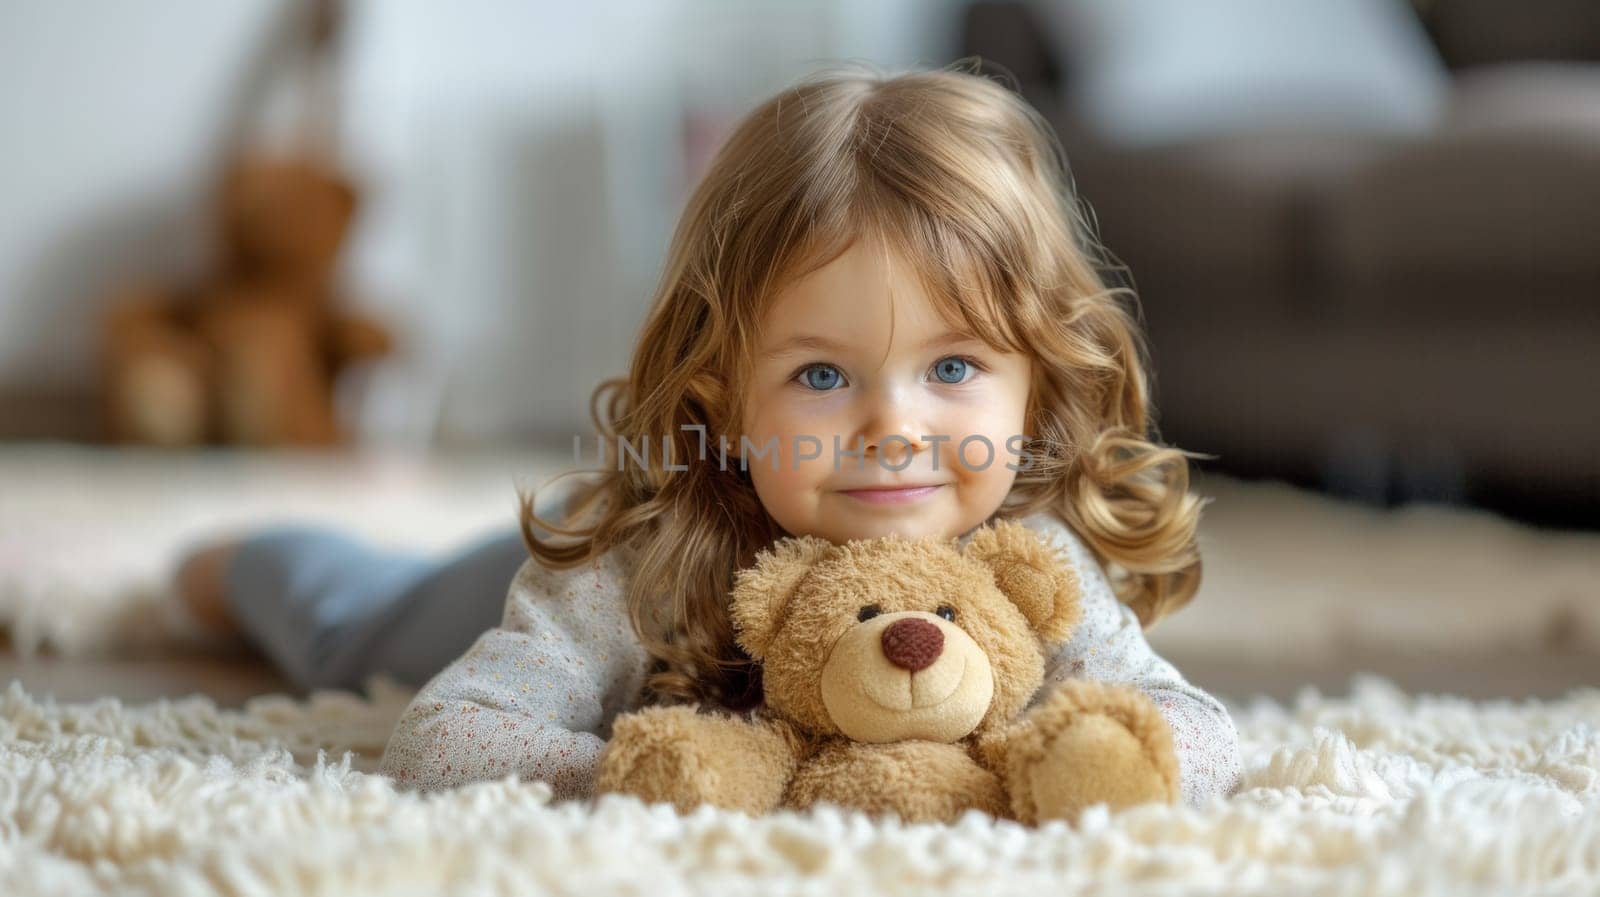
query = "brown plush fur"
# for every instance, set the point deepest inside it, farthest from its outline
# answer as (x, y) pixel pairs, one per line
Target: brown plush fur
(845, 723)
(251, 353)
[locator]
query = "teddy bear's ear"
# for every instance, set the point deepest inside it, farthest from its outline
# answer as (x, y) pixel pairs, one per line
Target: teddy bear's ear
(761, 591)
(1037, 579)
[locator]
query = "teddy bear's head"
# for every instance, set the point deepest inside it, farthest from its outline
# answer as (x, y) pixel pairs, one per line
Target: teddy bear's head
(890, 639)
(285, 217)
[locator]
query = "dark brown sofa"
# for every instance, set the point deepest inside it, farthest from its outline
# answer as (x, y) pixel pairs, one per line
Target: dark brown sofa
(1390, 318)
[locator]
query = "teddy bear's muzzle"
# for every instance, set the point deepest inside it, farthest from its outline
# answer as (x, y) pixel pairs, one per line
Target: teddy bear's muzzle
(906, 675)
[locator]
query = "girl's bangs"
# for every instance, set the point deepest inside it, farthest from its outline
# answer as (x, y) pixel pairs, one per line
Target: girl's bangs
(958, 276)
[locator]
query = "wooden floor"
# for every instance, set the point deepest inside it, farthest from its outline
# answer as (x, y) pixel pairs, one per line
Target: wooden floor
(229, 681)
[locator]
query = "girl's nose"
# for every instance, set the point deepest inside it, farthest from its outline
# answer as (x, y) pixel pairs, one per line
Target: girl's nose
(896, 431)
(895, 449)
(896, 424)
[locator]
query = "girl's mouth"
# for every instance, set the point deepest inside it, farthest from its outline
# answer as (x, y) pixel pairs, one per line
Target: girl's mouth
(899, 495)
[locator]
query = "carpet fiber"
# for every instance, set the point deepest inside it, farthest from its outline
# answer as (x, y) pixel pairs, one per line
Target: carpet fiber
(1377, 793)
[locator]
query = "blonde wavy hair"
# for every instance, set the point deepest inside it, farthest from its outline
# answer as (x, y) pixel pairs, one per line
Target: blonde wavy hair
(960, 176)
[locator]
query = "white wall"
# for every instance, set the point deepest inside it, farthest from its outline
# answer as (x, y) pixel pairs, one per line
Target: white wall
(109, 119)
(521, 164)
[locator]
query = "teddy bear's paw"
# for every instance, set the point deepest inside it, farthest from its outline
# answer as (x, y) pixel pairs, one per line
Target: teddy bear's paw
(686, 758)
(1090, 743)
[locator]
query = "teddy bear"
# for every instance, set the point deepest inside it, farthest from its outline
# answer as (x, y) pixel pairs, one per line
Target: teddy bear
(251, 353)
(904, 676)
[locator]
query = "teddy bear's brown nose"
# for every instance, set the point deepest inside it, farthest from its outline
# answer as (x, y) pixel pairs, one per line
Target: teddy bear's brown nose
(912, 644)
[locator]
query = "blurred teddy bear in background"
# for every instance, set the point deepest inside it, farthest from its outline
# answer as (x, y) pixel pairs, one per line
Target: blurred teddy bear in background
(251, 354)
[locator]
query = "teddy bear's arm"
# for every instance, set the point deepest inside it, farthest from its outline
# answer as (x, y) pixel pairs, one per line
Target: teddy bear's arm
(1109, 646)
(1085, 743)
(686, 757)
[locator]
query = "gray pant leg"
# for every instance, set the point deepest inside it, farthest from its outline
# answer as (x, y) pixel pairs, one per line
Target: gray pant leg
(441, 614)
(321, 604)
(330, 609)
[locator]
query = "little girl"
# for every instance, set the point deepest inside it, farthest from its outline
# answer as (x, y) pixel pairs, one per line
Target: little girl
(880, 283)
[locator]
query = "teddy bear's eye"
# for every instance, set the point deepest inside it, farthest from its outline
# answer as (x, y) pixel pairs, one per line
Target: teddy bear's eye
(867, 613)
(946, 611)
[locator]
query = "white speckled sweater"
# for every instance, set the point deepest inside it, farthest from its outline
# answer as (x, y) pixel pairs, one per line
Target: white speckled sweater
(536, 695)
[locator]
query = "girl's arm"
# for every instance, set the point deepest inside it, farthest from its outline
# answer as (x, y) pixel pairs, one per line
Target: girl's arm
(1109, 646)
(535, 695)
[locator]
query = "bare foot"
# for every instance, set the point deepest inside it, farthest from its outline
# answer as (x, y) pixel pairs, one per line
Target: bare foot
(202, 588)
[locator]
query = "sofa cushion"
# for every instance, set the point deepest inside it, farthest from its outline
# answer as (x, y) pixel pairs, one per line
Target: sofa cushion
(1218, 226)
(1155, 71)
(1553, 98)
(1506, 195)
(1479, 32)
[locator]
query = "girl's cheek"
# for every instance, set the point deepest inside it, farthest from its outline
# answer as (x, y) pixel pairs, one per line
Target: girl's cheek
(978, 436)
(789, 496)
(976, 456)
(794, 450)
(818, 419)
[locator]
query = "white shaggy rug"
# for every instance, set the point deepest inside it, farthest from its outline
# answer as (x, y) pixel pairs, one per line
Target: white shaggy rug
(1379, 793)
(1375, 793)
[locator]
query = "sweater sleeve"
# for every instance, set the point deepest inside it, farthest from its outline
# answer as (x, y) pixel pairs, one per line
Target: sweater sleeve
(1109, 646)
(535, 695)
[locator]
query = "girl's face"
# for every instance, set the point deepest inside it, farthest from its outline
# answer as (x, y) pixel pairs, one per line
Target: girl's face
(827, 368)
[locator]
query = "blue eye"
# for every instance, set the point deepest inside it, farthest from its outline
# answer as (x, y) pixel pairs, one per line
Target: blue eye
(821, 376)
(951, 370)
